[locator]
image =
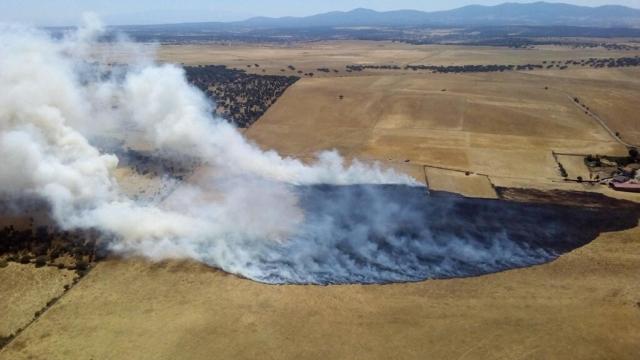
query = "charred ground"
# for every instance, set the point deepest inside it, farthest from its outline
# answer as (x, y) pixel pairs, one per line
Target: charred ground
(584, 214)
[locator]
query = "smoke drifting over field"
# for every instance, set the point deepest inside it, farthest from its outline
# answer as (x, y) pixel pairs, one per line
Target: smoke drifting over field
(254, 212)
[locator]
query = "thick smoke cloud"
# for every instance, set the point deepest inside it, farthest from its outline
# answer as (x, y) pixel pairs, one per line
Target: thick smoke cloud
(249, 211)
(56, 95)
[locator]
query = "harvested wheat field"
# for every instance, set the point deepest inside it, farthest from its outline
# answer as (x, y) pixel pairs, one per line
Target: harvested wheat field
(27, 290)
(506, 126)
(582, 306)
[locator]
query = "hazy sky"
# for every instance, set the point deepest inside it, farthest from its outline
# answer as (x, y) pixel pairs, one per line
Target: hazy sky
(62, 12)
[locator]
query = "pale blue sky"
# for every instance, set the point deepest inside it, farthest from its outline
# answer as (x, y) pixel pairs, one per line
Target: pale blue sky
(63, 12)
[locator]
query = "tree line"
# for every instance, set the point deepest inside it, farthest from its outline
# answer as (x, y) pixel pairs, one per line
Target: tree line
(561, 65)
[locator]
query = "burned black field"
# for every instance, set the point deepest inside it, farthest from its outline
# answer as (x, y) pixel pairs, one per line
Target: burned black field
(382, 234)
(393, 233)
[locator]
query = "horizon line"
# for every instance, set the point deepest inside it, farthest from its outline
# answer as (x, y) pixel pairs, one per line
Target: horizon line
(338, 11)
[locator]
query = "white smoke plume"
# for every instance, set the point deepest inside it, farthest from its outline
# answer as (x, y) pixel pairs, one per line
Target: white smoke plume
(248, 211)
(53, 97)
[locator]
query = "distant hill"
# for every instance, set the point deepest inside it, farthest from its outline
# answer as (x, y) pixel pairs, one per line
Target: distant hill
(538, 13)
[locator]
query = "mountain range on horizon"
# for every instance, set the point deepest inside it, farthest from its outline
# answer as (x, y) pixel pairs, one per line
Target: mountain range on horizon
(532, 14)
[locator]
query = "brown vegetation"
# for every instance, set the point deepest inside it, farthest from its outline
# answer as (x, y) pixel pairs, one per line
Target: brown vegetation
(240, 97)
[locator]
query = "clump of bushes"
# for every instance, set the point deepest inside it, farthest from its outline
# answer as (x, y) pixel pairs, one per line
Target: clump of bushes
(41, 261)
(82, 265)
(4, 340)
(25, 259)
(592, 161)
(562, 170)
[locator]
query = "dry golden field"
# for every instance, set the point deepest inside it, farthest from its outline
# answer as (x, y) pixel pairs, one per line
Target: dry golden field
(501, 128)
(506, 125)
(583, 306)
(336, 54)
(25, 290)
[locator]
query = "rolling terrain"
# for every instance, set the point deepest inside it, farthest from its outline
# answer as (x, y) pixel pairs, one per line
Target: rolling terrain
(469, 133)
(537, 13)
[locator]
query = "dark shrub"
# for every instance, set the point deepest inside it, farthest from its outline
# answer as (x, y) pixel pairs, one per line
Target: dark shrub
(41, 261)
(82, 265)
